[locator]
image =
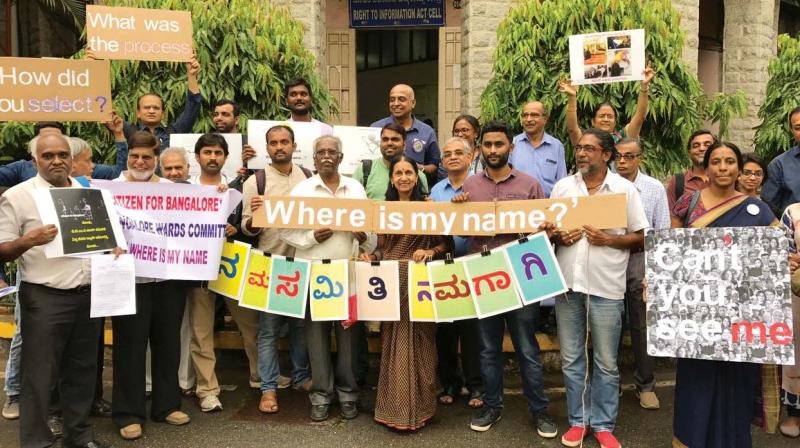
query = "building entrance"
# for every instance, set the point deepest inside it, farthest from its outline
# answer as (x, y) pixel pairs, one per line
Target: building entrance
(385, 58)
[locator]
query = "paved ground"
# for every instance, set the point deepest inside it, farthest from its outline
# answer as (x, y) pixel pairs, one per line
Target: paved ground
(241, 425)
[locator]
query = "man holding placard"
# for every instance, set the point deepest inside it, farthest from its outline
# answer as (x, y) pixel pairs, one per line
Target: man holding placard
(594, 264)
(54, 297)
(150, 110)
(500, 181)
(276, 179)
(456, 159)
(211, 151)
(322, 244)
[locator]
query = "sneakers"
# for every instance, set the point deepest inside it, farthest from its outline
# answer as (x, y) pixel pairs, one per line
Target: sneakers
(319, 412)
(607, 439)
(349, 410)
(254, 383)
(11, 408)
(210, 404)
(56, 425)
(574, 437)
(177, 418)
(545, 426)
(648, 400)
(484, 418)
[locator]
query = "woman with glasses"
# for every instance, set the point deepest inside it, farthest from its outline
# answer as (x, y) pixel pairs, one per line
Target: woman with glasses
(753, 175)
(468, 128)
(605, 116)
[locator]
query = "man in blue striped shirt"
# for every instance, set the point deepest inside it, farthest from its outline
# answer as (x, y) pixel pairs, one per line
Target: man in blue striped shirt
(656, 208)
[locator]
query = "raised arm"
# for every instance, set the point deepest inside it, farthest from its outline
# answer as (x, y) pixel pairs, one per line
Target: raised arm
(633, 128)
(573, 128)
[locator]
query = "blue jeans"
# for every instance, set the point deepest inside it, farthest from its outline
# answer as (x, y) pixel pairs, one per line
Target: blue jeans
(269, 329)
(13, 386)
(598, 404)
(521, 325)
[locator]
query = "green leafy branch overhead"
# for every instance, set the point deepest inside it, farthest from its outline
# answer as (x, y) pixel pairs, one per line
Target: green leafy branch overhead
(783, 95)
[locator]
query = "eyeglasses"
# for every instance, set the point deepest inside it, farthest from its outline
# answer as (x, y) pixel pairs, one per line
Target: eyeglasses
(532, 115)
(448, 154)
(461, 131)
(329, 153)
(627, 157)
(756, 174)
(590, 149)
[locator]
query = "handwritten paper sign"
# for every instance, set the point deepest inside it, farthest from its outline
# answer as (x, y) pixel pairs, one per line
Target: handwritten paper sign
(232, 163)
(139, 34)
(256, 284)
(607, 57)
(719, 294)
(358, 143)
(535, 269)
(492, 288)
(378, 291)
(232, 270)
(420, 298)
(288, 286)
(35, 89)
(441, 218)
(304, 135)
(452, 295)
(329, 290)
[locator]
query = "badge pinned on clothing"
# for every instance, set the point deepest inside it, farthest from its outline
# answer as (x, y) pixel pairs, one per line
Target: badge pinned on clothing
(418, 145)
(753, 209)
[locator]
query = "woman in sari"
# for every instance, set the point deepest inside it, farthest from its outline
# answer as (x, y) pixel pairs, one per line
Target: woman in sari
(790, 381)
(407, 386)
(715, 401)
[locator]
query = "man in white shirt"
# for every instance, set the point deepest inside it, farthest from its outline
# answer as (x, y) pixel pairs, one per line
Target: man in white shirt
(54, 296)
(321, 244)
(656, 208)
(594, 264)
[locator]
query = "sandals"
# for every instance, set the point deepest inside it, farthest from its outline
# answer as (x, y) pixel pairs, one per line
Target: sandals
(269, 402)
(187, 392)
(476, 396)
(448, 395)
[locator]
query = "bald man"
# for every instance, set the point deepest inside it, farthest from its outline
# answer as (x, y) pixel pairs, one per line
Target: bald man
(421, 142)
(54, 295)
(537, 153)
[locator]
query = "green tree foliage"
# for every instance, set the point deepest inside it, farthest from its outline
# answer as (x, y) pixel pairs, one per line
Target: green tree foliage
(532, 54)
(247, 51)
(783, 95)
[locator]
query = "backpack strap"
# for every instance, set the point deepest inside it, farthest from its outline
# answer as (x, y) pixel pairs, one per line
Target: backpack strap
(692, 206)
(261, 182)
(680, 183)
(307, 172)
(366, 169)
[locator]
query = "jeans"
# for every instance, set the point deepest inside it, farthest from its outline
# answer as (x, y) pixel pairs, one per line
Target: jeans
(521, 325)
(596, 405)
(637, 311)
(12, 386)
(269, 329)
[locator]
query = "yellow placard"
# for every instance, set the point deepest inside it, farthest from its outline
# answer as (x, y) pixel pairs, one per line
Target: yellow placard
(329, 290)
(232, 269)
(256, 284)
(420, 303)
